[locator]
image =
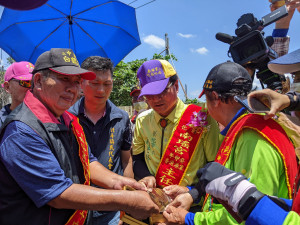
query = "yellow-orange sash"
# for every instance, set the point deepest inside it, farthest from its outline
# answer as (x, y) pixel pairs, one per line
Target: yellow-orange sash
(179, 151)
(79, 216)
(273, 133)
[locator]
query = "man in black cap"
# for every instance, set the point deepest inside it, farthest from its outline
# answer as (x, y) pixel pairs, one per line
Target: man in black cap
(259, 149)
(45, 163)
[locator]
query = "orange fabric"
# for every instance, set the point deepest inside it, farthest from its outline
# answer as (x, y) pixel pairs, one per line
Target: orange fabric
(79, 216)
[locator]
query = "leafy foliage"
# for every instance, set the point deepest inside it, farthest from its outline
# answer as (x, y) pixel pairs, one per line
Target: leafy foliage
(10, 60)
(125, 78)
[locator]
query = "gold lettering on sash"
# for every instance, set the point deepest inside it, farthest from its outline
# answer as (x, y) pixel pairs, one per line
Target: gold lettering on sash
(111, 148)
(169, 172)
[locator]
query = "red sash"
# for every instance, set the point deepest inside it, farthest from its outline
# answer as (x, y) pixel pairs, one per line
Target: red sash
(79, 216)
(179, 151)
(273, 133)
(296, 198)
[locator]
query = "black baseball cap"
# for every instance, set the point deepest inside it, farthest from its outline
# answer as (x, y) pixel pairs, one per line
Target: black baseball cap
(228, 77)
(62, 61)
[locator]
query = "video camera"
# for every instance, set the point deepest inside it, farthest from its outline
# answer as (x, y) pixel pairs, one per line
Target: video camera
(250, 49)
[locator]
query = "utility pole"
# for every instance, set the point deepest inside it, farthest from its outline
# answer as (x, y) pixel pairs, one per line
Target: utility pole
(167, 44)
(168, 54)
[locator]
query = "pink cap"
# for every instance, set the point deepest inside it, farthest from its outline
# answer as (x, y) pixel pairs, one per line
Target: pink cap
(19, 71)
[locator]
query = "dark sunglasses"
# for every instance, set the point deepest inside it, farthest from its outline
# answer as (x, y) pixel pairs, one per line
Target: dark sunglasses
(24, 83)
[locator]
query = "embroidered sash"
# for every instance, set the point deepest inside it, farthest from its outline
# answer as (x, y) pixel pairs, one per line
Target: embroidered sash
(296, 198)
(79, 216)
(179, 151)
(273, 133)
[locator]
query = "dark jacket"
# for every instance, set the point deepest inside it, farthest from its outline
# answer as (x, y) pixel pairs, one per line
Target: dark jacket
(15, 206)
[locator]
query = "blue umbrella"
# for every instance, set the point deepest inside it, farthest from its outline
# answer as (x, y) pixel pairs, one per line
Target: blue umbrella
(89, 27)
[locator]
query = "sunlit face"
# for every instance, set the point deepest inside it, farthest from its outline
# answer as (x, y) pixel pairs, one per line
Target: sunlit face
(16, 91)
(97, 91)
(57, 92)
(165, 102)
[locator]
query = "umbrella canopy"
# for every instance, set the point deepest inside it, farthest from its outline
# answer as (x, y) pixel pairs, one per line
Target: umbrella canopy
(89, 27)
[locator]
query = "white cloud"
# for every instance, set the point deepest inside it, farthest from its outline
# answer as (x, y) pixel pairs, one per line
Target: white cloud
(195, 94)
(186, 35)
(154, 41)
(201, 51)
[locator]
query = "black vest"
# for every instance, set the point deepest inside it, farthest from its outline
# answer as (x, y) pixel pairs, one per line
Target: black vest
(15, 206)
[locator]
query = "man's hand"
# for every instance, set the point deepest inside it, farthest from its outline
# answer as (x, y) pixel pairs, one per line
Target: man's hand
(274, 100)
(141, 205)
(182, 201)
(174, 190)
(174, 216)
(291, 5)
(122, 181)
(148, 182)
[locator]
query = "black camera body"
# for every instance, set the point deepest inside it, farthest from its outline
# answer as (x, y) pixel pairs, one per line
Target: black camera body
(250, 48)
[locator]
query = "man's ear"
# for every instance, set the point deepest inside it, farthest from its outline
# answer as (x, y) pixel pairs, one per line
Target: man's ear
(176, 86)
(37, 81)
(6, 87)
(216, 98)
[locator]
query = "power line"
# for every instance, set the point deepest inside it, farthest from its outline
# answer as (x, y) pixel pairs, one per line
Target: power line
(132, 2)
(145, 4)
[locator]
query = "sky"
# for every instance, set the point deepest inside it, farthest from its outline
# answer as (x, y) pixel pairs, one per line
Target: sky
(191, 26)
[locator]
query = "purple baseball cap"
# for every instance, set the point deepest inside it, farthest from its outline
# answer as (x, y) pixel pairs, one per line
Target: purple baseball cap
(154, 76)
(288, 63)
(19, 71)
(22, 4)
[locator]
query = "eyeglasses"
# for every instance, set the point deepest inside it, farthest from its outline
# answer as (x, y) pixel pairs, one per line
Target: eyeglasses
(161, 95)
(23, 83)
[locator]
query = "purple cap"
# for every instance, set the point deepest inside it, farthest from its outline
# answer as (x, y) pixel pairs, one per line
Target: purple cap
(154, 76)
(22, 4)
(19, 71)
(288, 63)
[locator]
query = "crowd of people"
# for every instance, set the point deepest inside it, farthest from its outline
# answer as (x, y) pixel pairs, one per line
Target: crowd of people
(66, 159)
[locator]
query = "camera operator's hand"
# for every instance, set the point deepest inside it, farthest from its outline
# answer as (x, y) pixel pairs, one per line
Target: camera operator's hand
(274, 100)
(291, 5)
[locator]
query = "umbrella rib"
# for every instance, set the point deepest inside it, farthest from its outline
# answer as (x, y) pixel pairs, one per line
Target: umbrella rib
(57, 10)
(91, 38)
(46, 38)
(71, 7)
(107, 25)
(32, 21)
(71, 30)
(93, 8)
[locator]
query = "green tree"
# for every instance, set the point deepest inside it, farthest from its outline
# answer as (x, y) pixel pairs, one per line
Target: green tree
(195, 101)
(125, 78)
(10, 60)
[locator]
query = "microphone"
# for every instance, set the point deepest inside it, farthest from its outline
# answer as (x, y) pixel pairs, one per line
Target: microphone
(226, 38)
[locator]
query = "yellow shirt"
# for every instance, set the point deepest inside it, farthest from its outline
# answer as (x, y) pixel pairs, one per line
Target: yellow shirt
(148, 134)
